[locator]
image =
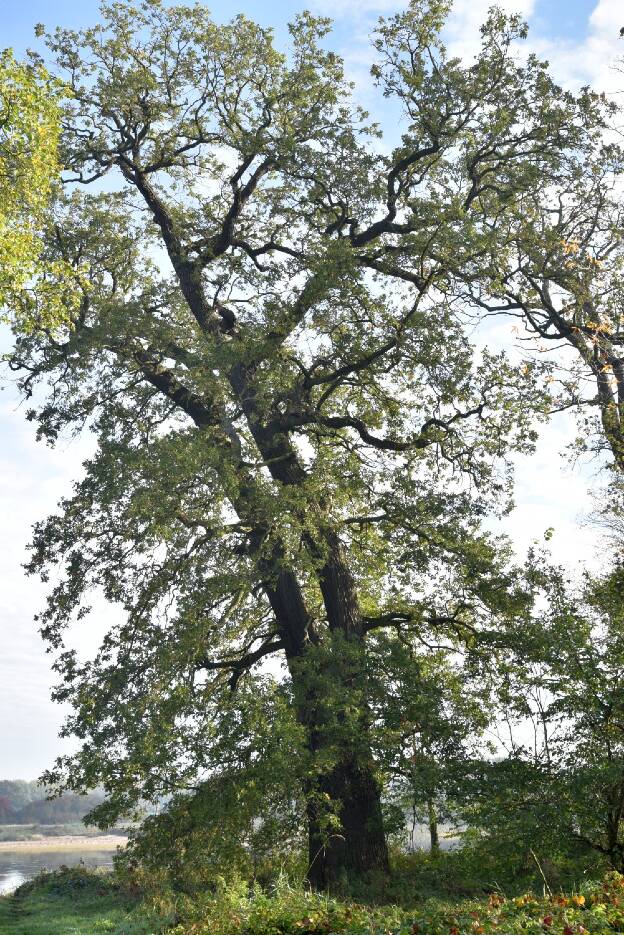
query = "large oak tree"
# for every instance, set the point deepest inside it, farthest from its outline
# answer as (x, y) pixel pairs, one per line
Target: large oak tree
(296, 438)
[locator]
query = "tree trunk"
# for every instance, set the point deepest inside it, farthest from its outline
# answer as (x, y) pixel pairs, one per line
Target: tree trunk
(350, 786)
(349, 789)
(433, 827)
(359, 845)
(346, 836)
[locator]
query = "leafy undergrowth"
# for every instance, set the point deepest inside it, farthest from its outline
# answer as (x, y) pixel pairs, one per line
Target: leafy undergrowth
(79, 902)
(598, 909)
(470, 872)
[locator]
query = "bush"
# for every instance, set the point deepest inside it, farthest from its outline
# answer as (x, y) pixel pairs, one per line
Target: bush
(594, 909)
(69, 881)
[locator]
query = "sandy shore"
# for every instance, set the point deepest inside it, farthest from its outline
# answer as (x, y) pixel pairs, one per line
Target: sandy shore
(67, 842)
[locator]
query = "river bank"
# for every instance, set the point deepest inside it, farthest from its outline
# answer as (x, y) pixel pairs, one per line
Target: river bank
(69, 842)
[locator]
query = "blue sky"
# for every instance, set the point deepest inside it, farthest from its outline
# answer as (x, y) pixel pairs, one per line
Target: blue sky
(565, 20)
(557, 17)
(580, 39)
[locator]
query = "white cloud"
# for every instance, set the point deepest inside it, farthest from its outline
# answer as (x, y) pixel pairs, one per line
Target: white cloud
(604, 48)
(593, 59)
(462, 29)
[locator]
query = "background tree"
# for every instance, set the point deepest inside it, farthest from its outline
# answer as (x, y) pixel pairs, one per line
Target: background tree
(295, 437)
(564, 284)
(29, 171)
(560, 790)
(564, 281)
(20, 792)
(431, 717)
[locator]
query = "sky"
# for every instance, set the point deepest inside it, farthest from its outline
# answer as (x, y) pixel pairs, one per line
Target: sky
(579, 38)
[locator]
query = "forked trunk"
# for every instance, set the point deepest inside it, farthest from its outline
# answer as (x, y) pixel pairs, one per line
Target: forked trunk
(349, 787)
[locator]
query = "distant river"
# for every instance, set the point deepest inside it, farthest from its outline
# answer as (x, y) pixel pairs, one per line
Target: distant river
(18, 866)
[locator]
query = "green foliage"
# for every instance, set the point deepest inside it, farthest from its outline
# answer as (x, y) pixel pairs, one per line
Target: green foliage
(430, 718)
(287, 910)
(561, 794)
(244, 816)
(35, 290)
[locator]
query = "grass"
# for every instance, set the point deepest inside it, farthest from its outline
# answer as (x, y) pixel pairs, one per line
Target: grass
(81, 902)
(71, 902)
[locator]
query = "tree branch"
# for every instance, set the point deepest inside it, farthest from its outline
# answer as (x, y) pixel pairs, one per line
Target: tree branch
(241, 664)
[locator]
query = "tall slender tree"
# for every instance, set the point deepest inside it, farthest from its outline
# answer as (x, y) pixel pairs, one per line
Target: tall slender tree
(295, 437)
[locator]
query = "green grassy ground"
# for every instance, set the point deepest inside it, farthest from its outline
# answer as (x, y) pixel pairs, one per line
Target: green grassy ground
(71, 903)
(78, 902)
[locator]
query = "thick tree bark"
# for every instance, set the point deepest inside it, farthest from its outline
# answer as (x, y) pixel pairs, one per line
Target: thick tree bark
(349, 789)
(359, 846)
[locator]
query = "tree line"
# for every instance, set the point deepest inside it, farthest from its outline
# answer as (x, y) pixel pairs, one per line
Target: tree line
(23, 803)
